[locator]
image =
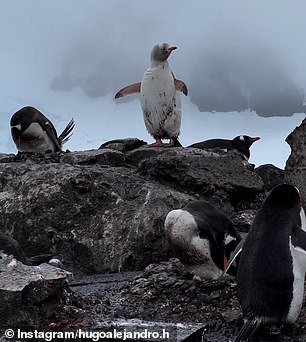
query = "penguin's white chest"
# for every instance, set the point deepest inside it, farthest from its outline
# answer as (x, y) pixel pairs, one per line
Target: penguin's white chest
(299, 263)
(35, 139)
(160, 102)
(299, 268)
(183, 234)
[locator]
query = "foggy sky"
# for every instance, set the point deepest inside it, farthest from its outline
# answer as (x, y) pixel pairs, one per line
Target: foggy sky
(227, 49)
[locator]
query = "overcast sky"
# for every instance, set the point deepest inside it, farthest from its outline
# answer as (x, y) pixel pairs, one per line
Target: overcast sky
(103, 45)
(114, 38)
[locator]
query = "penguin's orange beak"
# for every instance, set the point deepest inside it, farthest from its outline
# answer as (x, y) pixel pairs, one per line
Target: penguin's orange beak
(171, 48)
(254, 139)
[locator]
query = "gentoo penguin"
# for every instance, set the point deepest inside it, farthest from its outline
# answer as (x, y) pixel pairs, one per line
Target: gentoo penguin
(33, 132)
(159, 96)
(273, 261)
(202, 238)
(242, 143)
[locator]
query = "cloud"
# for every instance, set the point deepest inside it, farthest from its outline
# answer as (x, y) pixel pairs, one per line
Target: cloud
(230, 53)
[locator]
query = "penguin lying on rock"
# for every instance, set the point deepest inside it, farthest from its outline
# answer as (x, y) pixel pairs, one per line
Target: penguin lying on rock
(202, 237)
(272, 265)
(241, 143)
(9, 246)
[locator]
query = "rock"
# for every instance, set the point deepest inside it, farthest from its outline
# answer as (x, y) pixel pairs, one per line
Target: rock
(94, 215)
(243, 219)
(295, 170)
(12, 247)
(164, 295)
(223, 178)
(24, 289)
(271, 175)
(103, 210)
(103, 157)
(124, 145)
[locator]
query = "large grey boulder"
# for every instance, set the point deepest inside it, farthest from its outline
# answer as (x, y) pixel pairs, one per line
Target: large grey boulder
(103, 210)
(271, 175)
(295, 170)
(26, 290)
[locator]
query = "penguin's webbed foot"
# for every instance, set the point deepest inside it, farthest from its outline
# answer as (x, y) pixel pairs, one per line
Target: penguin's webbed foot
(158, 143)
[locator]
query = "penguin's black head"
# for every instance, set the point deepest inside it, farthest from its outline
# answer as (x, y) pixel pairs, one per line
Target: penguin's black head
(161, 52)
(23, 118)
(245, 140)
(243, 143)
(20, 121)
(285, 195)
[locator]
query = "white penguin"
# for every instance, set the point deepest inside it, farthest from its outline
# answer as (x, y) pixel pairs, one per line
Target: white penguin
(160, 100)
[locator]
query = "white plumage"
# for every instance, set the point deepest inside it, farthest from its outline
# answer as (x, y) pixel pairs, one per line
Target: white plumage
(299, 267)
(159, 96)
(160, 101)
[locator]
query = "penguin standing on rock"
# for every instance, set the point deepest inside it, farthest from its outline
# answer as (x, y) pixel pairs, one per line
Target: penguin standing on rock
(34, 133)
(272, 265)
(159, 96)
(202, 238)
(241, 143)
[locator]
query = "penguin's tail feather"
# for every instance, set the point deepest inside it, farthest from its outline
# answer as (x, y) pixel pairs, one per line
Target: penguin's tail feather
(248, 329)
(67, 133)
(177, 143)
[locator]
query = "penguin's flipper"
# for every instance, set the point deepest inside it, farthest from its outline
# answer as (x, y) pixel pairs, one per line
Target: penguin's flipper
(234, 255)
(128, 90)
(181, 86)
(298, 239)
(51, 131)
(248, 329)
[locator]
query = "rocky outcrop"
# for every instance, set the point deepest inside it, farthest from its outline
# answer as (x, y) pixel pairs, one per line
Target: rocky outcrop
(295, 170)
(103, 210)
(24, 289)
(271, 175)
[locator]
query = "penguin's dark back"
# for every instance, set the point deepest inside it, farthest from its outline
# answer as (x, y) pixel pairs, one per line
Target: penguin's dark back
(210, 216)
(265, 273)
(213, 225)
(214, 143)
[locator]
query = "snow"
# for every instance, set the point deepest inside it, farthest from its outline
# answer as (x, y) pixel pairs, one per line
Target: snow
(101, 119)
